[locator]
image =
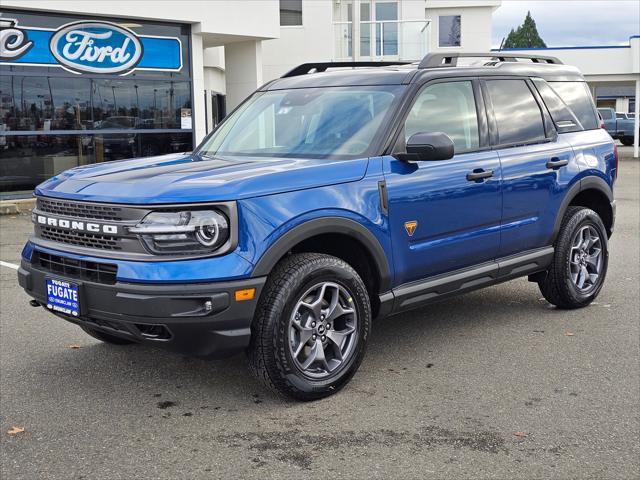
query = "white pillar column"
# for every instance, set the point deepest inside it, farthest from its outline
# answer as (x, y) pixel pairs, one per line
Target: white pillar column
(243, 70)
(355, 30)
(636, 126)
(197, 78)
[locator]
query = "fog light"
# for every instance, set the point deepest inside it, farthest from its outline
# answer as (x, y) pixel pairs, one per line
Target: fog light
(246, 294)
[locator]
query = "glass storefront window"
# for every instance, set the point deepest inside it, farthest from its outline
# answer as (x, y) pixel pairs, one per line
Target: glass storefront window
(27, 160)
(118, 146)
(140, 112)
(139, 104)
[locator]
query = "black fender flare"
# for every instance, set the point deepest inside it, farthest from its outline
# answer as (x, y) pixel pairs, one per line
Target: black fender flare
(321, 226)
(586, 183)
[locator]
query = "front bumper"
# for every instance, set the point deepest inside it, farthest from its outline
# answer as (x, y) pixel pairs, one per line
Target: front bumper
(172, 316)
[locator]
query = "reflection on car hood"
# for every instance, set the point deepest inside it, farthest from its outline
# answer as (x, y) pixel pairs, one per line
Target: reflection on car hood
(183, 177)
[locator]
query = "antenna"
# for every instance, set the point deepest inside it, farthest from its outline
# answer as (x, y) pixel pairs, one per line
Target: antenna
(501, 44)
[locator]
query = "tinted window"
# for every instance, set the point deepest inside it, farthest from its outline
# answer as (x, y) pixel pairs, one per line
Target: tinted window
(449, 28)
(290, 12)
(518, 116)
(606, 114)
(563, 118)
(449, 108)
(577, 96)
(139, 104)
(44, 103)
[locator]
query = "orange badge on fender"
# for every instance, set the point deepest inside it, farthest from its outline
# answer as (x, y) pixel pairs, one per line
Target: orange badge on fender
(410, 227)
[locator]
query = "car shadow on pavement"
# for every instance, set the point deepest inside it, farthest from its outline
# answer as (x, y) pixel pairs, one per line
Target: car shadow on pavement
(119, 370)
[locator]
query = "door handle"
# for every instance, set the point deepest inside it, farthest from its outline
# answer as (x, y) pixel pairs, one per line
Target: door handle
(479, 175)
(555, 162)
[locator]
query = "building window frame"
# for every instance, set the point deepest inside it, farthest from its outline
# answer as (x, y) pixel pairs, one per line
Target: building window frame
(459, 15)
(280, 9)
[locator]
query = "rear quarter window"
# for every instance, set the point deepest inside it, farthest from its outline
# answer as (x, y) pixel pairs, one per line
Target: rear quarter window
(563, 118)
(578, 98)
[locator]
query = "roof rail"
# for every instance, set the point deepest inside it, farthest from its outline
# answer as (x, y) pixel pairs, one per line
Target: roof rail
(435, 60)
(322, 66)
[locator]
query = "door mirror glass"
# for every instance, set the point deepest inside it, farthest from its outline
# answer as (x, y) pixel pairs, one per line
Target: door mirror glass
(430, 146)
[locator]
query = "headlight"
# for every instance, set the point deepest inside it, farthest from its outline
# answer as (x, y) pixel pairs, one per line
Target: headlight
(184, 233)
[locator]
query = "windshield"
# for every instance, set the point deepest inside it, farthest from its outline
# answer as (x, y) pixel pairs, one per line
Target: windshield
(330, 122)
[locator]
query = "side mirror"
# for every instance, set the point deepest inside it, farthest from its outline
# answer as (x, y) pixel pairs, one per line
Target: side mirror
(427, 147)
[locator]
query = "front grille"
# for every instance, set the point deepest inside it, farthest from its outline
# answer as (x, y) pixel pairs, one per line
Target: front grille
(82, 210)
(80, 239)
(91, 271)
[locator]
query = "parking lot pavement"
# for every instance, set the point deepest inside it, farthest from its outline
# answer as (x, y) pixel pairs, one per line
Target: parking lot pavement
(493, 384)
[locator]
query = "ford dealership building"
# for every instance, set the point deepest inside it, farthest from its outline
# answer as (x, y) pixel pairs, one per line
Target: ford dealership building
(86, 82)
(93, 81)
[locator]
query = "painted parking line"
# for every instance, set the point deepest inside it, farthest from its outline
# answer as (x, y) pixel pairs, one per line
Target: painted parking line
(9, 265)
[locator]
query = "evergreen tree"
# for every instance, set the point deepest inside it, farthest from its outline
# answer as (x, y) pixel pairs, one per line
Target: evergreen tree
(525, 36)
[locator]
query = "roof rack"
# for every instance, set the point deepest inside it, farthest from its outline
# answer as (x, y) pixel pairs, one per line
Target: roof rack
(306, 68)
(437, 60)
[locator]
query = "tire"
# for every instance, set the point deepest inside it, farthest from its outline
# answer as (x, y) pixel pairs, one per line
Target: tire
(561, 285)
(106, 337)
(292, 301)
(626, 141)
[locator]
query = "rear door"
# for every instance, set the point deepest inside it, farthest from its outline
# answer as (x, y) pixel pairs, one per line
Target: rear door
(442, 218)
(537, 165)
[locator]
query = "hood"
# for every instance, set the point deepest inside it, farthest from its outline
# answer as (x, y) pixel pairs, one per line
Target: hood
(185, 178)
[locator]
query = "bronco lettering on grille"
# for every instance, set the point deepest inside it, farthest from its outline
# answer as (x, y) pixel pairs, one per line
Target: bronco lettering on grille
(80, 226)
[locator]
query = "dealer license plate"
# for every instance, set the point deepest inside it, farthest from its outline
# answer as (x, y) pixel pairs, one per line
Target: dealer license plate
(62, 296)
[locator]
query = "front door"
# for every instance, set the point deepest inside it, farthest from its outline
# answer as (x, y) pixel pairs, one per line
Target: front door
(445, 215)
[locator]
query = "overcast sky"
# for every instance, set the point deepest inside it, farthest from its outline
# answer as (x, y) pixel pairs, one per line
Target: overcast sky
(571, 22)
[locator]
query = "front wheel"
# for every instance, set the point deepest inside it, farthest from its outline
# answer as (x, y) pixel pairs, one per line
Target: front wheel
(580, 260)
(311, 327)
(626, 141)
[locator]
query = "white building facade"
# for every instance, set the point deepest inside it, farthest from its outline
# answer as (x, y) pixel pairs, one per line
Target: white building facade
(370, 30)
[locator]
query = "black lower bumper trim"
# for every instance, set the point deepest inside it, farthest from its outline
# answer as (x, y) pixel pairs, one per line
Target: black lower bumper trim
(201, 319)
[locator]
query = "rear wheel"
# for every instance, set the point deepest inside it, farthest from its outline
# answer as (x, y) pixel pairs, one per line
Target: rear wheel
(580, 261)
(311, 327)
(626, 141)
(105, 337)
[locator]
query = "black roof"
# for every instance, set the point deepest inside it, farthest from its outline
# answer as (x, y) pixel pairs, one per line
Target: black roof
(432, 66)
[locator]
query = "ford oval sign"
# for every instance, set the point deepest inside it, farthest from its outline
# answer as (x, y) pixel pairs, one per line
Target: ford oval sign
(98, 47)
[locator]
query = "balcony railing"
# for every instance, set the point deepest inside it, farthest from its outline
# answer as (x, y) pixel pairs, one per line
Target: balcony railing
(382, 40)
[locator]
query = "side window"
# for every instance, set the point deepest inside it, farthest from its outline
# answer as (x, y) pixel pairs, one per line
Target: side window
(563, 118)
(577, 96)
(518, 116)
(606, 114)
(446, 107)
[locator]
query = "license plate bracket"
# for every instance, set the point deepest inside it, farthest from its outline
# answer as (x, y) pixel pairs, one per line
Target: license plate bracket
(63, 296)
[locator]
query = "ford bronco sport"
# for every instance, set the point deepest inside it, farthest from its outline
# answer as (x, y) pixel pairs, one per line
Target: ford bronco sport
(330, 197)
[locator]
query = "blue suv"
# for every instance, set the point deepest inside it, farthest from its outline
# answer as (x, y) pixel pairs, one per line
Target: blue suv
(330, 197)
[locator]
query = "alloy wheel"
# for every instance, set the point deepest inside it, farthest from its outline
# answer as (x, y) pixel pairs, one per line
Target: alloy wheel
(585, 260)
(323, 330)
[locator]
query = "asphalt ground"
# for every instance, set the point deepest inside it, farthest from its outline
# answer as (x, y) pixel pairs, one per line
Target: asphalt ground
(492, 384)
